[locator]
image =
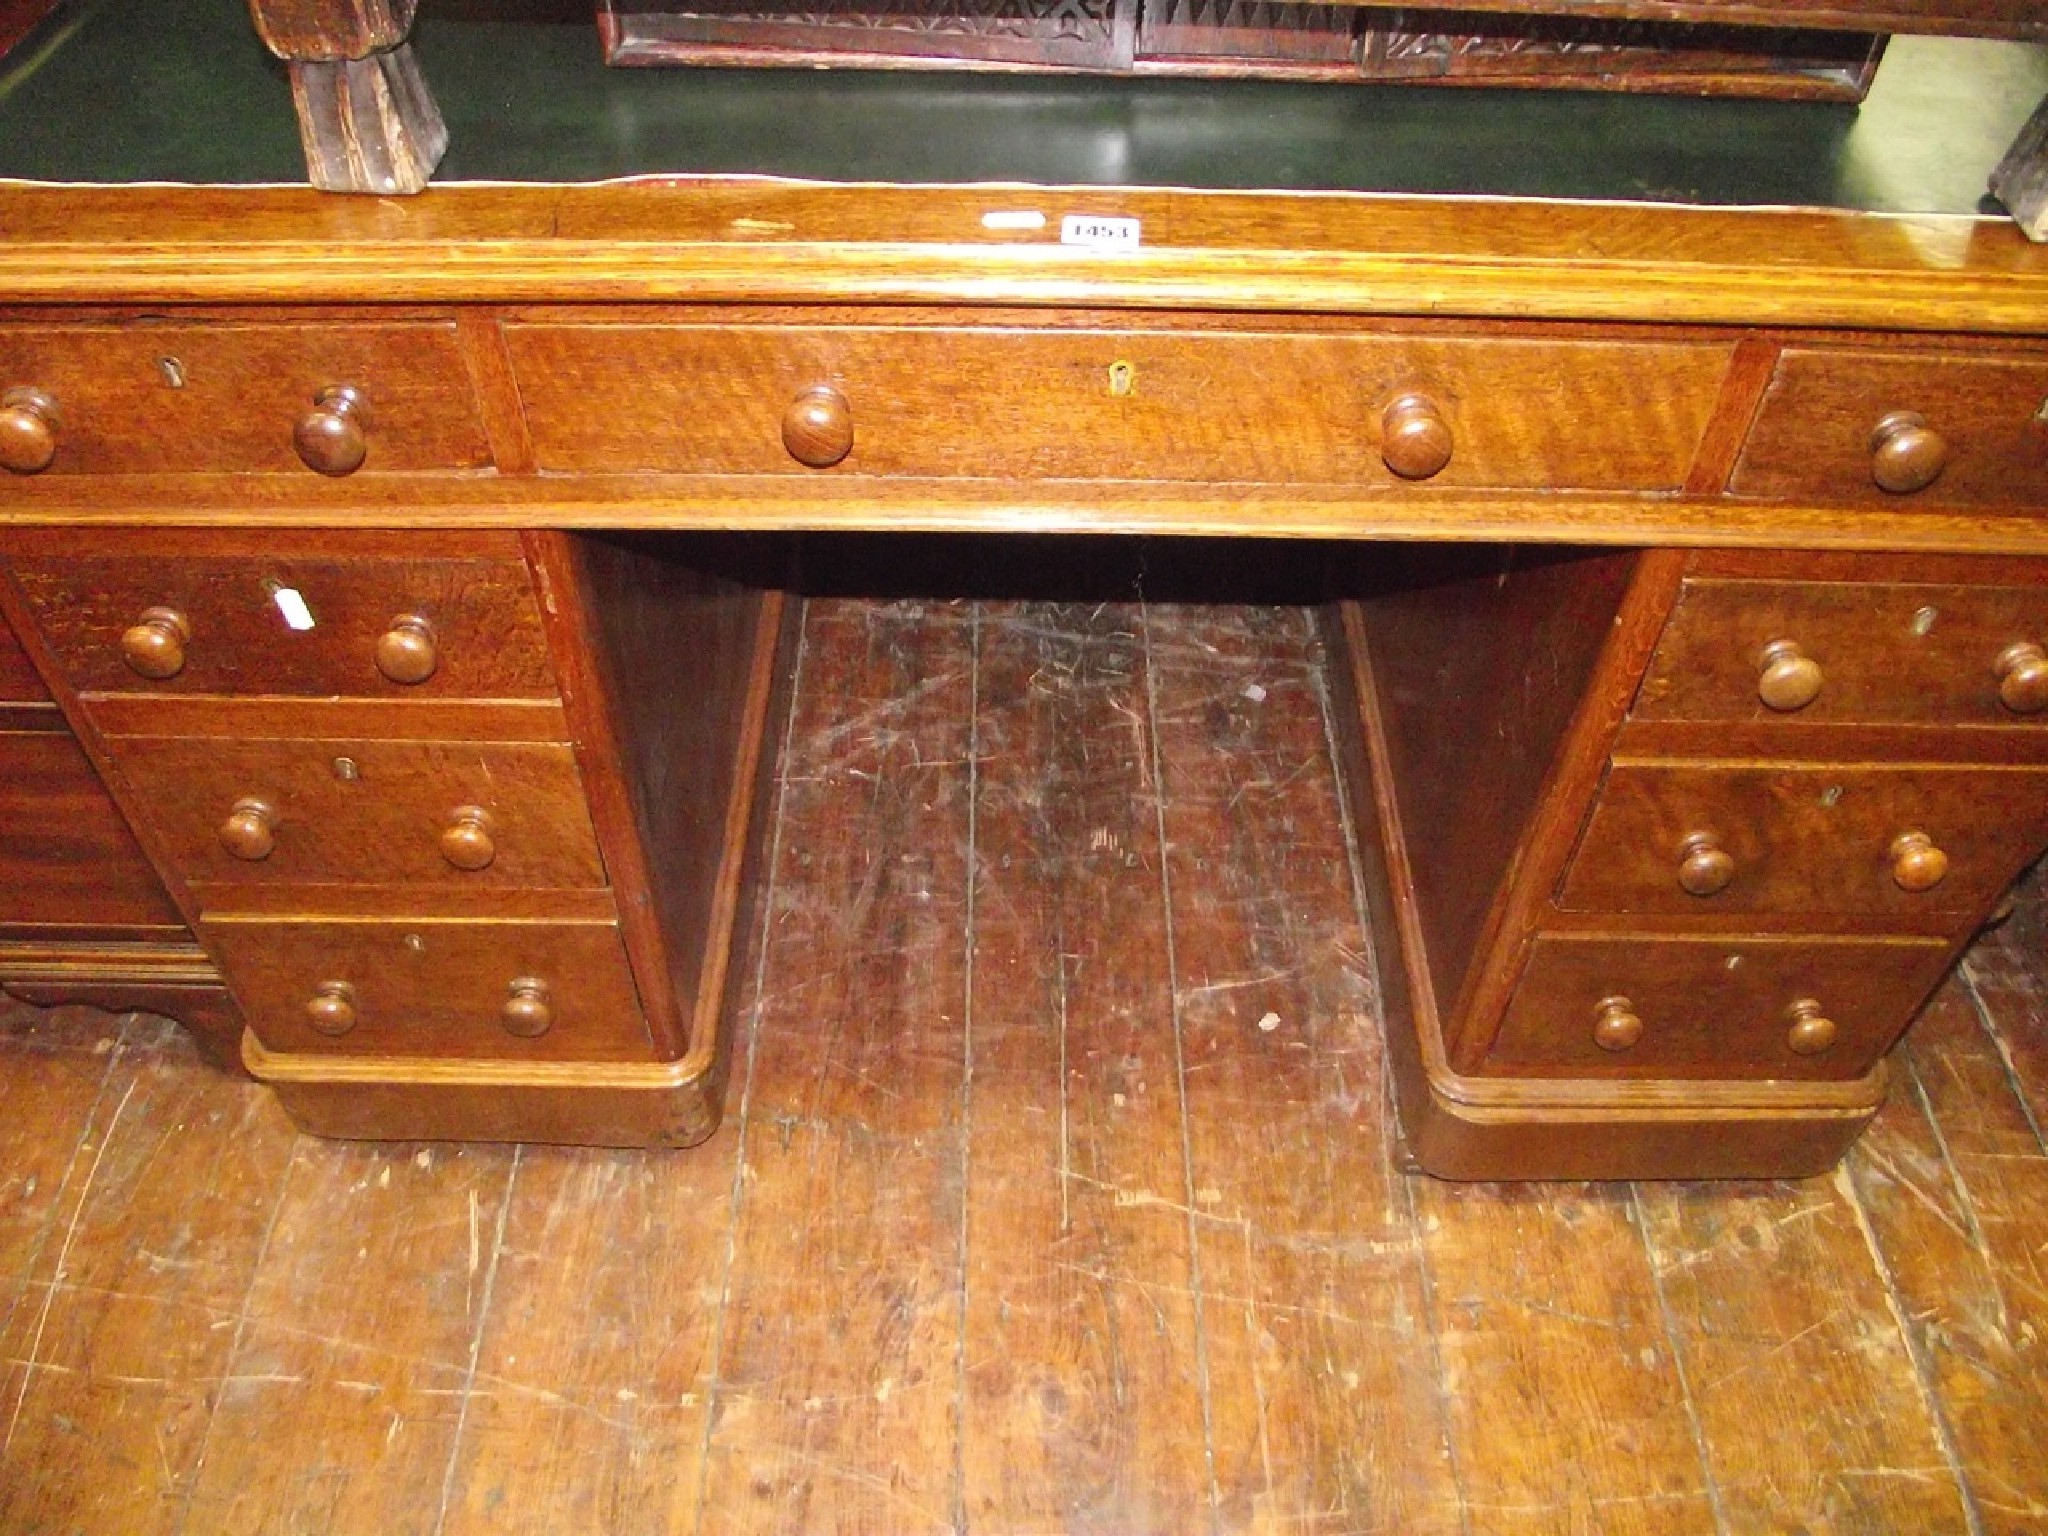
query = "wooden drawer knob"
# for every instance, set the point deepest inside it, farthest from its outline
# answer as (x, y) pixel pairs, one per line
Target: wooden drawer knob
(1917, 865)
(1704, 866)
(406, 652)
(1615, 1025)
(1415, 440)
(1906, 454)
(466, 841)
(527, 1012)
(332, 1008)
(817, 429)
(2022, 671)
(1812, 1032)
(28, 430)
(250, 832)
(1787, 678)
(154, 645)
(334, 436)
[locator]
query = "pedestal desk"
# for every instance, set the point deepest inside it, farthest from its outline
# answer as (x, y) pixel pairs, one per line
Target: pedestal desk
(1686, 593)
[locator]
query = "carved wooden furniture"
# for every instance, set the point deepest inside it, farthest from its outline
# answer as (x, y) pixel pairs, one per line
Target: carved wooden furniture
(1676, 824)
(1332, 44)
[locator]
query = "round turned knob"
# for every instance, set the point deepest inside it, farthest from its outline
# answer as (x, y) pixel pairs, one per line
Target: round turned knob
(1811, 1032)
(1704, 866)
(250, 832)
(817, 429)
(406, 652)
(332, 1008)
(1917, 865)
(2022, 670)
(334, 436)
(28, 430)
(1615, 1025)
(466, 841)
(1415, 440)
(154, 645)
(1787, 678)
(1906, 454)
(526, 1012)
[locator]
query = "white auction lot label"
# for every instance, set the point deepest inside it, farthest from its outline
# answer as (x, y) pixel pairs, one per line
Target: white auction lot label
(1099, 232)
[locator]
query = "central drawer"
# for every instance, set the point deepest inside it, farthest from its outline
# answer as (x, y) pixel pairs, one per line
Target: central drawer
(1113, 403)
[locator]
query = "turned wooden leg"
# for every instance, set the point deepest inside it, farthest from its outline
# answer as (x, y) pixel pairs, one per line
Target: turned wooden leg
(366, 118)
(2021, 180)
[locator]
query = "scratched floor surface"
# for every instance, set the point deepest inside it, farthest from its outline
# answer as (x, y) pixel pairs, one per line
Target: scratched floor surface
(1057, 1194)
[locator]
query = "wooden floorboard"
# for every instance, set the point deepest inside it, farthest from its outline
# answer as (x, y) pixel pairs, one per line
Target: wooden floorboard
(1058, 1192)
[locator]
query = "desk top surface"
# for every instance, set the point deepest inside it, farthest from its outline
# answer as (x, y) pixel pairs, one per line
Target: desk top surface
(180, 91)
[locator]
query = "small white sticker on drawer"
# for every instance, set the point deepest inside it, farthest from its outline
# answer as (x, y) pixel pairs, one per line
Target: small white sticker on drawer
(296, 614)
(1099, 232)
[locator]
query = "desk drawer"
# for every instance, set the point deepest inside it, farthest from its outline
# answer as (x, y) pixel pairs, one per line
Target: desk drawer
(199, 624)
(66, 855)
(1915, 844)
(418, 987)
(1977, 433)
(1712, 1007)
(149, 397)
(444, 816)
(1893, 653)
(1113, 403)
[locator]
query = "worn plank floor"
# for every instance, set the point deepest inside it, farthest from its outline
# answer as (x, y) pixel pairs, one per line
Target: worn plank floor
(1057, 1194)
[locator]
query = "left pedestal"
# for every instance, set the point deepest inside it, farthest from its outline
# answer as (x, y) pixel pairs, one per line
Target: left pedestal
(463, 820)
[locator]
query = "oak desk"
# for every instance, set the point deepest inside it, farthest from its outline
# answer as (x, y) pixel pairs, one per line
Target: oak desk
(1685, 582)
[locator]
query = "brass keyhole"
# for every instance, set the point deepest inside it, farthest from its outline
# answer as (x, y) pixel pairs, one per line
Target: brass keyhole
(1123, 379)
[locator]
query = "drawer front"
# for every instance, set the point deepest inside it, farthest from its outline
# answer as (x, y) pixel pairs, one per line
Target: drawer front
(145, 398)
(425, 988)
(1982, 421)
(1113, 404)
(1712, 1008)
(1931, 844)
(1904, 654)
(456, 815)
(198, 626)
(19, 683)
(66, 855)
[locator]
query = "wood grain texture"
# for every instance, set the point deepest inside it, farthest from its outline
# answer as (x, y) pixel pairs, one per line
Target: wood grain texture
(1780, 1316)
(1326, 1407)
(1945, 1179)
(1543, 1302)
(66, 854)
(836, 1401)
(1812, 437)
(224, 395)
(1892, 649)
(1763, 1283)
(361, 1331)
(1040, 403)
(181, 1176)
(702, 240)
(1807, 841)
(383, 823)
(427, 986)
(486, 626)
(1084, 1388)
